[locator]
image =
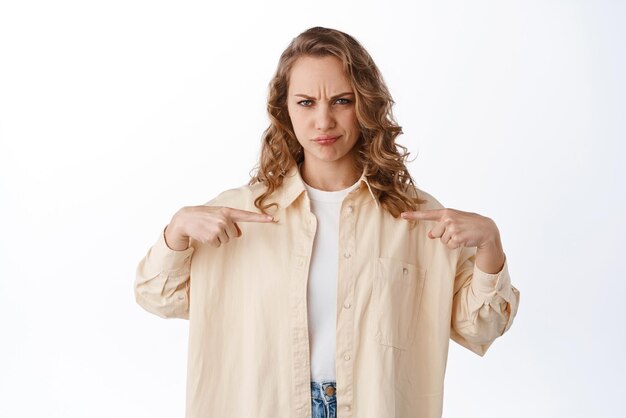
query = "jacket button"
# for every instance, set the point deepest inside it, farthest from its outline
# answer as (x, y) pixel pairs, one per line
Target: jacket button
(330, 391)
(346, 255)
(350, 209)
(346, 357)
(347, 305)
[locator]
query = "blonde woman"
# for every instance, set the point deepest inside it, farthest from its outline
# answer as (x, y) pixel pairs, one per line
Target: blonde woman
(330, 285)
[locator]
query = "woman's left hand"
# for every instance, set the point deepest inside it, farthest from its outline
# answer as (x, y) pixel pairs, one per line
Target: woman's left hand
(457, 228)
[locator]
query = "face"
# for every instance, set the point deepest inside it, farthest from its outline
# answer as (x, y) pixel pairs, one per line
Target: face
(320, 101)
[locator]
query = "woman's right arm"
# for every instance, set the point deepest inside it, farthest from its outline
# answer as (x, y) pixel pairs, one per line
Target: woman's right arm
(162, 280)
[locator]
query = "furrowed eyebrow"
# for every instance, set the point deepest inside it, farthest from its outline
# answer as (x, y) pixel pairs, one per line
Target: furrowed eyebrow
(347, 93)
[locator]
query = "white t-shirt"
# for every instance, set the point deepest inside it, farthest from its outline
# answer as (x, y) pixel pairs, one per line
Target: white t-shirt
(322, 284)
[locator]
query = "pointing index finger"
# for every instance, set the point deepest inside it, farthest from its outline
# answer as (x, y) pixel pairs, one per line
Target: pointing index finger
(240, 215)
(426, 215)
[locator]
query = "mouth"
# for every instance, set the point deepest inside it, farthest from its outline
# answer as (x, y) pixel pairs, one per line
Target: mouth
(326, 139)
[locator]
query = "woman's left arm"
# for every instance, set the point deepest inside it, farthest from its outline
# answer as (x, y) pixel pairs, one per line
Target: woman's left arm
(484, 302)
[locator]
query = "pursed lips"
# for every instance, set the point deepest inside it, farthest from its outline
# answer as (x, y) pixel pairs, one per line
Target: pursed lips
(326, 137)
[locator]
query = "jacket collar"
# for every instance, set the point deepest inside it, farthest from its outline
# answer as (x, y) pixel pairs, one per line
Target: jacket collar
(293, 187)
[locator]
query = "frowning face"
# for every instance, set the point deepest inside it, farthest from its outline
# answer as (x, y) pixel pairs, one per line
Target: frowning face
(320, 102)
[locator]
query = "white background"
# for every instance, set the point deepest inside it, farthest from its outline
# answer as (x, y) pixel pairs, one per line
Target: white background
(115, 114)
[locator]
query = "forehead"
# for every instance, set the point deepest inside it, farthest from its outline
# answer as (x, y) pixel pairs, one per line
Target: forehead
(315, 72)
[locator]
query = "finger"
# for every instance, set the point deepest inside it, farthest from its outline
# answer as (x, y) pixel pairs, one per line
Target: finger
(209, 237)
(205, 234)
(223, 236)
(438, 230)
(240, 215)
(455, 242)
(425, 215)
(232, 230)
(452, 245)
(218, 230)
(459, 241)
(446, 237)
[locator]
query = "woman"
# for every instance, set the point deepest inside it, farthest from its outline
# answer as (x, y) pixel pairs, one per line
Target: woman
(330, 284)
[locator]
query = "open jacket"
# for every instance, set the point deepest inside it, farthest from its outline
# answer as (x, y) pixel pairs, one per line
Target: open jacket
(401, 297)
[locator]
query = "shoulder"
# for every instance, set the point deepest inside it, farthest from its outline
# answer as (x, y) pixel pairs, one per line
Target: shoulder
(431, 201)
(238, 197)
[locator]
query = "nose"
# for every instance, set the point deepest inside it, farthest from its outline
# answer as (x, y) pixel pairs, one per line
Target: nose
(324, 119)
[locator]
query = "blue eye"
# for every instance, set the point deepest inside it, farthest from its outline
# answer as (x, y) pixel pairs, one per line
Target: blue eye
(309, 103)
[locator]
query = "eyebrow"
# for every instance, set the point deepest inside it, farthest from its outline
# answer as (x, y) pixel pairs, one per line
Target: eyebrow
(334, 97)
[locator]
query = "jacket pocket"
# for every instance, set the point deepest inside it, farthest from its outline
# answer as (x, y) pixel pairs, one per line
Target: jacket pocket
(397, 290)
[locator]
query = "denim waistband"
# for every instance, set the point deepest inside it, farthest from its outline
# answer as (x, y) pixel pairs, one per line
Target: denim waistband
(326, 390)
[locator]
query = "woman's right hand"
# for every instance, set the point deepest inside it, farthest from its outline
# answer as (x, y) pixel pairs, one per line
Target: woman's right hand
(214, 225)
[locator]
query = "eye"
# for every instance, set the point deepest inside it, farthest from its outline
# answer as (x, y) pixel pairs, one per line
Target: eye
(344, 101)
(305, 103)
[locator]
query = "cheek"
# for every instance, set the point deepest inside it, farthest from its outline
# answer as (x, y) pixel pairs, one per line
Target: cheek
(350, 120)
(298, 120)
(298, 123)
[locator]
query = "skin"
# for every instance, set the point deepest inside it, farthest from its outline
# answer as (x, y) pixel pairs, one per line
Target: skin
(214, 225)
(320, 101)
(456, 228)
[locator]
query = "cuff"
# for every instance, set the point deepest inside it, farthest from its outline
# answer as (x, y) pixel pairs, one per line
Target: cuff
(487, 285)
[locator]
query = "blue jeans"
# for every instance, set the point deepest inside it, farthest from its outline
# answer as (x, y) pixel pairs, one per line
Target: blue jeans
(324, 399)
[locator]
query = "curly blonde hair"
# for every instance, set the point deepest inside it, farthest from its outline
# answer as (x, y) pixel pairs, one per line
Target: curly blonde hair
(377, 154)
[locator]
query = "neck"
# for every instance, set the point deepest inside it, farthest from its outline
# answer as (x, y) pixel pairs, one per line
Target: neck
(329, 177)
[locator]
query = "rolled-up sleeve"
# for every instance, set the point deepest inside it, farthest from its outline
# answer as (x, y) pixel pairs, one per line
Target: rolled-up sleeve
(162, 280)
(484, 304)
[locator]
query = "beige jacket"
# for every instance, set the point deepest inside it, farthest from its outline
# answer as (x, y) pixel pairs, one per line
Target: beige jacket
(401, 296)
